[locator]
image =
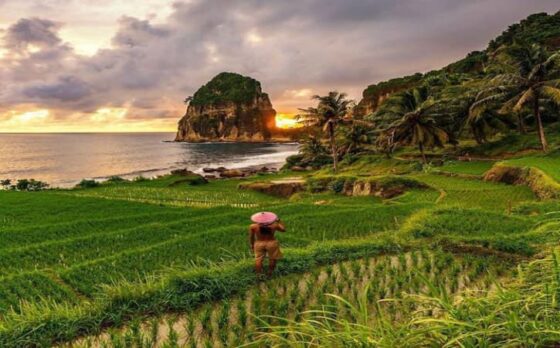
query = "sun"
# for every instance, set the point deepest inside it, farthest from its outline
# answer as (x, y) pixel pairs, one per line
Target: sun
(286, 121)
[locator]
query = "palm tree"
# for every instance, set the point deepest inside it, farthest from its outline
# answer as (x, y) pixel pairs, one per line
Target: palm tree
(356, 135)
(416, 126)
(481, 118)
(330, 112)
(311, 148)
(536, 75)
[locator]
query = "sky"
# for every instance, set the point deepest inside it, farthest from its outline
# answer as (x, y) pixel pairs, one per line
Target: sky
(118, 65)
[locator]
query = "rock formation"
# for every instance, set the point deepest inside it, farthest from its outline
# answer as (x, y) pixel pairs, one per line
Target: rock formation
(374, 95)
(230, 107)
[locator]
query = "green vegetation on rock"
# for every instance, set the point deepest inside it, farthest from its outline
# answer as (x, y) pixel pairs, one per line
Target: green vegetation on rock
(227, 87)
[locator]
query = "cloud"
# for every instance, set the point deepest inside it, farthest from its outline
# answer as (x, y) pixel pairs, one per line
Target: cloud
(134, 32)
(65, 89)
(295, 48)
(32, 31)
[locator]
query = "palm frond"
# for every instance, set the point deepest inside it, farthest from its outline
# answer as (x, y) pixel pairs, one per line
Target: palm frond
(508, 106)
(526, 97)
(552, 92)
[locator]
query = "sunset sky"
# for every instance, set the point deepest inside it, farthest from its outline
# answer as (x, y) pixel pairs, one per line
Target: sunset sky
(118, 65)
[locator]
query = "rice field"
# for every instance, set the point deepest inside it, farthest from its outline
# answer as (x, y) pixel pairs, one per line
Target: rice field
(88, 259)
(382, 284)
(464, 167)
(548, 164)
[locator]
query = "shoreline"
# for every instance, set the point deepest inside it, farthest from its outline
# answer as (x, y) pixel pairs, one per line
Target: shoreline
(247, 170)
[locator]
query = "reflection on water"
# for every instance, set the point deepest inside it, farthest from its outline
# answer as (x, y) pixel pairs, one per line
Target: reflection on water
(64, 159)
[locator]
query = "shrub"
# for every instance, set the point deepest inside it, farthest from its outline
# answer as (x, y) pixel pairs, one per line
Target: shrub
(30, 185)
(86, 183)
(116, 179)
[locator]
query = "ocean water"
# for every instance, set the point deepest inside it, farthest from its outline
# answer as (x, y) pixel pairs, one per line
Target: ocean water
(62, 160)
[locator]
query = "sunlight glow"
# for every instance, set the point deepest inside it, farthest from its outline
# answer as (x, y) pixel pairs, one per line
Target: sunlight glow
(31, 116)
(286, 121)
(109, 114)
(102, 120)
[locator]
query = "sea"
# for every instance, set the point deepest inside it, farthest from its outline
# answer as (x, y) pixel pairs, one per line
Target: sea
(63, 159)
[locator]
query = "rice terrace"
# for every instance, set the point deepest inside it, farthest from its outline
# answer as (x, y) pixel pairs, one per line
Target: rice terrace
(425, 215)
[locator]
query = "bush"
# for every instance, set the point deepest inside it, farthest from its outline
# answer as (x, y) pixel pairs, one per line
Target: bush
(86, 183)
(116, 179)
(513, 246)
(30, 185)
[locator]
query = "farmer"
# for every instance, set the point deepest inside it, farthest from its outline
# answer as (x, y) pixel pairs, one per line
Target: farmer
(261, 238)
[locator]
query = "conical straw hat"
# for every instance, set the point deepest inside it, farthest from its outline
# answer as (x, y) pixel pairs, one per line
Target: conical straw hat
(264, 218)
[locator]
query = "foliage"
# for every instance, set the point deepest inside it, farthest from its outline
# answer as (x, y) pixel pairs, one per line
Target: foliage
(226, 87)
(28, 185)
(247, 318)
(539, 28)
(455, 87)
(331, 111)
(416, 126)
(87, 183)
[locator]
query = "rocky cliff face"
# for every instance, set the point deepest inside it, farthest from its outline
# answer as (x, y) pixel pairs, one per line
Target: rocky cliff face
(230, 107)
(374, 95)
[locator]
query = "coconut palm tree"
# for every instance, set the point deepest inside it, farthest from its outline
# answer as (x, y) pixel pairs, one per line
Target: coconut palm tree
(535, 75)
(357, 134)
(481, 117)
(416, 125)
(312, 148)
(330, 112)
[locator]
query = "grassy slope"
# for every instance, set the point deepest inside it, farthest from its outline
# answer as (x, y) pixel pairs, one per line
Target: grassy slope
(66, 247)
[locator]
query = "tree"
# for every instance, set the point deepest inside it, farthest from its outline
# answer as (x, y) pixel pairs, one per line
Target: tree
(330, 112)
(531, 75)
(481, 117)
(416, 126)
(6, 183)
(356, 135)
(311, 148)
(187, 100)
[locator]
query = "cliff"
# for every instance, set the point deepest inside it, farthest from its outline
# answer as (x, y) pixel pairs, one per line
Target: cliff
(374, 95)
(230, 107)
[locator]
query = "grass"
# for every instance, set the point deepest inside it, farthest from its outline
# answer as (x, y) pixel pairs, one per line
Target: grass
(74, 262)
(549, 163)
(247, 319)
(469, 168)
(524, 314)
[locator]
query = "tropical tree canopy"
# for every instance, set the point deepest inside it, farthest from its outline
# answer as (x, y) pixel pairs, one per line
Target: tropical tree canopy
(531, 74)
(331, 111)
(416, 126)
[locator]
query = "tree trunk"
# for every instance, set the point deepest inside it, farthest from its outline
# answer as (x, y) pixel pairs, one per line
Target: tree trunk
(521, 124)
(333, 146)
(540, 128)
(421, 147)
(349, 149)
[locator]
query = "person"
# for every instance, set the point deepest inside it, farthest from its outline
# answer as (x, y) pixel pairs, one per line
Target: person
(263, 242)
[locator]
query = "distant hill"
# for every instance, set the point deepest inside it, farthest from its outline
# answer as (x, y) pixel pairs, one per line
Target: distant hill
(458, 81)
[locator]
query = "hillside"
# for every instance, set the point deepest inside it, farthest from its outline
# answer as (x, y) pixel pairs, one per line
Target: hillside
(457, 84)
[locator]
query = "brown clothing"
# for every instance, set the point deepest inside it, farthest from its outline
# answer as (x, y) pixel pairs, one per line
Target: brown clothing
(264, 243)
(270, 247)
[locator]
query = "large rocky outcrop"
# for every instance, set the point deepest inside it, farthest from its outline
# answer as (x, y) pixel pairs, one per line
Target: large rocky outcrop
(230, 107)
(374, 95)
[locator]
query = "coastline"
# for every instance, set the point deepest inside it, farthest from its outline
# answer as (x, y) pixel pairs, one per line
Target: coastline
(63, 160)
